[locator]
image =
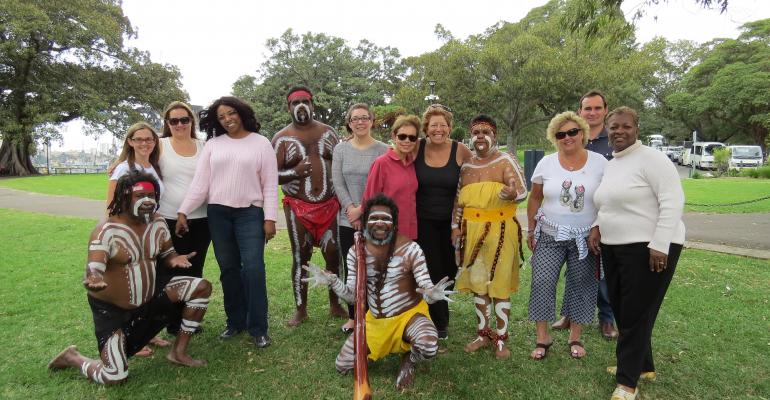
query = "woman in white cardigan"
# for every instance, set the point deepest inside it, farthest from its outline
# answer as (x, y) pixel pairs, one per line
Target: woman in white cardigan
(639, 225)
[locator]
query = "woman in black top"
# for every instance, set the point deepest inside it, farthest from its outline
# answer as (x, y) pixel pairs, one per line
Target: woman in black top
(437, 166)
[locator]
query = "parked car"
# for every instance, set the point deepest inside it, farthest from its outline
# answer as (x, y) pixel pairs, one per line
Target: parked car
(674, 152)
(745, 156)
(702, 155)
(685, 159)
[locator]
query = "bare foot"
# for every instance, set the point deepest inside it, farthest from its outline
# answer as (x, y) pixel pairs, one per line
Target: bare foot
(348, 326)
(184, 359)
(159, 342)
(405, 374)
(298, 318)
(146, 351)
(337, 311)
(479, 342)
(65, 358)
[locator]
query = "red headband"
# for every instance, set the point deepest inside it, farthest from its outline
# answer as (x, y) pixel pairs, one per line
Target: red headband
(298, 93)
(143, 185)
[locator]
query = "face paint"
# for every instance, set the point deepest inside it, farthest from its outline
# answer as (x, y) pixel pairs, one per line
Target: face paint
(371, 225)
(301, 117)
(147, 215)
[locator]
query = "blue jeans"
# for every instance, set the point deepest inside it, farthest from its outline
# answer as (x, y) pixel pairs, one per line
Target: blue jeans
(603, 303)
(239, 246)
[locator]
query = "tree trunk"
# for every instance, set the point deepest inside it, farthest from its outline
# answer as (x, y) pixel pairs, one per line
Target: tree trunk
(15, 159)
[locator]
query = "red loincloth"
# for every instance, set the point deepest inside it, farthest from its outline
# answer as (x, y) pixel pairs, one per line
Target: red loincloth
(315, 217)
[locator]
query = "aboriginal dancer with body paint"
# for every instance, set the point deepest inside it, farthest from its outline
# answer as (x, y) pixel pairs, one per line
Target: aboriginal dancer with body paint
(487, 233)
(304, 150)
(398, 289)
(141, 152)
(120, 280)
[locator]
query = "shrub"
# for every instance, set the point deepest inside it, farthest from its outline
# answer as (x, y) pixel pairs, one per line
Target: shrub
(722, 160)
(696, 175)
(763, 172)
(749, 173)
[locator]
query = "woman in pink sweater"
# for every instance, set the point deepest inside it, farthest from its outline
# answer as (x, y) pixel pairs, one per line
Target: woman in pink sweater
(237, 174)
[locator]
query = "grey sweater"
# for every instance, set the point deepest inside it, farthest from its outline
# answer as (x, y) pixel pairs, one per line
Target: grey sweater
(350, 168)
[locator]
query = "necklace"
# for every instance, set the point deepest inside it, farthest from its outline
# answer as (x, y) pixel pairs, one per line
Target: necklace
(573, 164)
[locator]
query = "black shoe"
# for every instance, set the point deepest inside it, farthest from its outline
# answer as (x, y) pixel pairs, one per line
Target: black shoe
(443, 334)
(229, 333)
(262, 341)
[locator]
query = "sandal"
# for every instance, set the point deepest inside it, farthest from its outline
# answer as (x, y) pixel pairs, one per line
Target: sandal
(545, 348)
(574, 353)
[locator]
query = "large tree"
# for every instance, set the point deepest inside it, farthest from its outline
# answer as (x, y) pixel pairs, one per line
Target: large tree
(726, 96)
(338, 74)
(524, 73)
(63, 60)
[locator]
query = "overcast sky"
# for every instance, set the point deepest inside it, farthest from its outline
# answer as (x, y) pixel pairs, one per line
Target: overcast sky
(215, 42)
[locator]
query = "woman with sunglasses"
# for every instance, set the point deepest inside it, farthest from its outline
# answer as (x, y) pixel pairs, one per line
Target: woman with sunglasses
(237, 174)
(140, 153)
(351, 162)
(560, 213)
(179, 152)
(437, 166)
(393, 174)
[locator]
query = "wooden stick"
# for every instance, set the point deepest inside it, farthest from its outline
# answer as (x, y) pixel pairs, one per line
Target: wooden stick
(362, 389)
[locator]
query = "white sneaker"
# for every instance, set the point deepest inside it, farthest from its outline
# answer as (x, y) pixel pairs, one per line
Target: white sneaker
(620, 394)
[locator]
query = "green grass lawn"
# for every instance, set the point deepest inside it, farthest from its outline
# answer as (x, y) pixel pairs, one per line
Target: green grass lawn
(89, 186)
(721, 191)
(711, 340)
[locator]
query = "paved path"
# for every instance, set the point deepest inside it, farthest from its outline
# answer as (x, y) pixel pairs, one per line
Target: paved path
(741, 234)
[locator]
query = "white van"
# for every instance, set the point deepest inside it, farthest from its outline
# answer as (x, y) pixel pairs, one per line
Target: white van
(702, 155)
(745, 156)
(685, 159)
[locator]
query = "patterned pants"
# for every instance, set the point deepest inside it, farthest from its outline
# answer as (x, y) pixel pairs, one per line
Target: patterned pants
(580, 286)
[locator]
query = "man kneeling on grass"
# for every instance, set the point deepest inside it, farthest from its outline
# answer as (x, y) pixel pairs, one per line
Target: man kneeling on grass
(398, 289)
(120, 279)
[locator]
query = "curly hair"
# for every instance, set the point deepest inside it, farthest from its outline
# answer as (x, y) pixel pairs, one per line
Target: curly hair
(175, 105)
(483, 118)
(622, 110)
(434, 110)
(209, 121)
(560, 119)
(121, 199)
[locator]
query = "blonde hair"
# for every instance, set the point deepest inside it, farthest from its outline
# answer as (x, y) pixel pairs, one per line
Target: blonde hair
(434, 110)
(560, 119)
(405, 120)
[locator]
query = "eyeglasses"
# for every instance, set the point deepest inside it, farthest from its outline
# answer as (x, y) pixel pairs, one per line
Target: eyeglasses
(404, 136)
(441, 106)
(360, 119)
(571, 133)
(177, 121)
(142, 140)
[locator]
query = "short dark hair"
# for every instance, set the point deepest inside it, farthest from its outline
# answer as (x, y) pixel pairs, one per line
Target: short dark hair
(380, 199)
(592, 93)
(297, 89)
(121, 198)
(485, 119)
(209, 122)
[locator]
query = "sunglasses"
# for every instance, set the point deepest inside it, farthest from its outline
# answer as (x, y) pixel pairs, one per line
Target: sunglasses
(404, 136)
(177, 121)
(571, 133)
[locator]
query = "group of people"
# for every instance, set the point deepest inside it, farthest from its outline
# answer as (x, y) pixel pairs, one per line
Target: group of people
(433, 213)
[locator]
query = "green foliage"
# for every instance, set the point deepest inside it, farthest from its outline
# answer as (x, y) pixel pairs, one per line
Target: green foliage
(696, 175)
(722, 160)
(763, 172)
(66, 60)
(338, 74)
(749, 173)
(524, 73)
